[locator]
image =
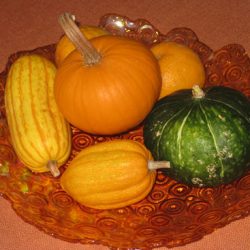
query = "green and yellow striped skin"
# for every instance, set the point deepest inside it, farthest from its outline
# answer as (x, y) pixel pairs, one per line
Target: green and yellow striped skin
(39, 132)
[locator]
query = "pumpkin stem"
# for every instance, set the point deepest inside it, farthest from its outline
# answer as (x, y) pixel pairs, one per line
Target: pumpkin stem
(197, 92)
(53, 168)
(154, 165)
(89, 53)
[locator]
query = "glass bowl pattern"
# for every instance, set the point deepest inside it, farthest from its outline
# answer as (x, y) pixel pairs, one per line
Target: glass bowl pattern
(172, 214)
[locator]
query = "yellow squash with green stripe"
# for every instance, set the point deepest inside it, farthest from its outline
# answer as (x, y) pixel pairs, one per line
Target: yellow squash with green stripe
(39, 133)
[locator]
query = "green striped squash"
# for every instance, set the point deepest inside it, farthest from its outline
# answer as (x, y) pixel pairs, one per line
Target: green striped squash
(204, 134)
(39, 133)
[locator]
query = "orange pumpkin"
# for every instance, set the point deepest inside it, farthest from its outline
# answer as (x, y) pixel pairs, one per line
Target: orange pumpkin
(107, 86)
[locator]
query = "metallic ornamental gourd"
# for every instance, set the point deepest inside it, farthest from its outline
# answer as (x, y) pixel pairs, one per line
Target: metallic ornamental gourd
(204, 134)
(111, 174)
(39, 133)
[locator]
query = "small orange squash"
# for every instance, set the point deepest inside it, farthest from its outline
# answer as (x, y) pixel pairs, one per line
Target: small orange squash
(64, 47)
(109, 86)
(111, 174)
(181, 67)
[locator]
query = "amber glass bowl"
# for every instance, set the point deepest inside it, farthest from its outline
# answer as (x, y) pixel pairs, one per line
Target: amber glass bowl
(172, 214)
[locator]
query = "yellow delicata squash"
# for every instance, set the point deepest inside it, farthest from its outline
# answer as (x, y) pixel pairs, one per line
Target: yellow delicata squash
(40, 135)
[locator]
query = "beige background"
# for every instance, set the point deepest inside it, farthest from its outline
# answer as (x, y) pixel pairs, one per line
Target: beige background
(27, 24)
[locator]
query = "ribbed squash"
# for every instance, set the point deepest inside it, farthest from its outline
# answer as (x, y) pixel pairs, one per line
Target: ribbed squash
(204, 134)
(39, 133)
(111, 174)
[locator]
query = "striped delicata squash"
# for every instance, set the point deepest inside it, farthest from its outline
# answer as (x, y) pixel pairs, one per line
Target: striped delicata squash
(39, 133)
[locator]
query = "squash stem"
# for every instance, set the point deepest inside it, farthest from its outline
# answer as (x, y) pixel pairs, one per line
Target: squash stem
(154, 165)
(197, 92)
(89, 53)
(53, 168)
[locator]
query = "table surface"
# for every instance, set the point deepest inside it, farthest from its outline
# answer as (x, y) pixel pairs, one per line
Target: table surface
(27, 24)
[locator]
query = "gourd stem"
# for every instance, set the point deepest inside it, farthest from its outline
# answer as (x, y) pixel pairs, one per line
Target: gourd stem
(53, 168)
(89, 53)
(154, 165)
(197, 92)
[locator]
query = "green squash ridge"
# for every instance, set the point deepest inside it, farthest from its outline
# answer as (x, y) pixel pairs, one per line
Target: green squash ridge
(163, 128)
(229, 106)
(179, 134)
(214, 139)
